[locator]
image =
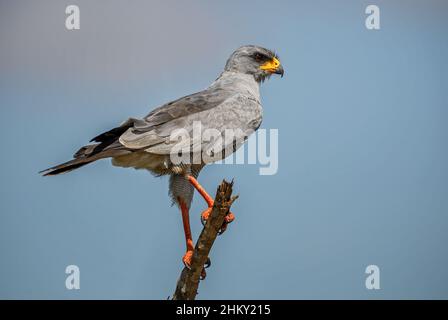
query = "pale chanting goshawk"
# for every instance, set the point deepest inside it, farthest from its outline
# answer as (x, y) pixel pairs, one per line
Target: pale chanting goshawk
(232, 101)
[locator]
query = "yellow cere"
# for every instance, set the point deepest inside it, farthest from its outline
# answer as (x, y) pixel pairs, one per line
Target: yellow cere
(271, 66)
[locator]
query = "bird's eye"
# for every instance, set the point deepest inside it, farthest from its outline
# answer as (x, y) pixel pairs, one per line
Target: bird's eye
(258, 56)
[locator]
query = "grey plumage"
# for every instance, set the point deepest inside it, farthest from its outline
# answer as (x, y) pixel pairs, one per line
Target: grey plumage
(232, 101)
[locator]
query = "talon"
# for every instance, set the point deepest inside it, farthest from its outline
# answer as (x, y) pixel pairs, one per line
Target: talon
(209, 200)
(222, 229)
(203, 274)
(187, 258)
(205, 215)
(208, 263)
(229, 217)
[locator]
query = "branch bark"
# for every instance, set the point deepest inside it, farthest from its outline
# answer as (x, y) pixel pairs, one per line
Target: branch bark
(188, 283)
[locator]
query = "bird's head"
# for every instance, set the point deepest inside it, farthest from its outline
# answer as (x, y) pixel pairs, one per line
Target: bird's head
(256, 61)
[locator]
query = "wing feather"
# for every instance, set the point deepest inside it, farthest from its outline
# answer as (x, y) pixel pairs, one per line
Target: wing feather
(237, 112)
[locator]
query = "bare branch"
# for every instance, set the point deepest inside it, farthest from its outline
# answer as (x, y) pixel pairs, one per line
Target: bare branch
(188, 283)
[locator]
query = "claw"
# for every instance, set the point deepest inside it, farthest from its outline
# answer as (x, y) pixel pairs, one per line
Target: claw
(205, 215)
(222, 230)
(203, 220)
(203, 274)
(208, 263)
(187, 258)
(187, 262)
(228, 219)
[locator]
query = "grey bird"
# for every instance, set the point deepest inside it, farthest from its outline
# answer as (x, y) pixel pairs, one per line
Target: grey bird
(231, 102)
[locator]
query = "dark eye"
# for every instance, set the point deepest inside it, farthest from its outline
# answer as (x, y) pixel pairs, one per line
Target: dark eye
(259, 57)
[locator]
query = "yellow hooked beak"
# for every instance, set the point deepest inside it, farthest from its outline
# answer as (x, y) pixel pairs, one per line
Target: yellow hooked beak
(273, 66)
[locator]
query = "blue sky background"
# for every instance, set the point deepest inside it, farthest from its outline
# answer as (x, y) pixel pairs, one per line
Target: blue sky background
(363, 174)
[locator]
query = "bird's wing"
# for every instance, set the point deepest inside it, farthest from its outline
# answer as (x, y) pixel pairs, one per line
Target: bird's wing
(213, 109)
(197, 102)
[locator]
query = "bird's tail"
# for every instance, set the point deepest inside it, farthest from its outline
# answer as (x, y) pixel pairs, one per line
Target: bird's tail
(65, 167)
(83, 156)
(107, 146)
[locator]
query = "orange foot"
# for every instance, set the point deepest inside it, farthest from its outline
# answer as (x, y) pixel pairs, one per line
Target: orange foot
(186, 259)
(188, 256)
(227, 219)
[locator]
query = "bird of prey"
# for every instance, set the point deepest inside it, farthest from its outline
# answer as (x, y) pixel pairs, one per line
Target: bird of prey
(232, 101)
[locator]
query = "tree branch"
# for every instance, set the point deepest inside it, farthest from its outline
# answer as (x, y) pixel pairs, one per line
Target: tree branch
(187, 285)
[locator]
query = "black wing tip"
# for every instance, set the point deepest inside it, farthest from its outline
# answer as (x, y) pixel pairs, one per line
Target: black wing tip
(47, 172)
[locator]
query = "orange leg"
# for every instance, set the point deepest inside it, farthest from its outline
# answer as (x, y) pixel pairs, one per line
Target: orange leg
(188, 239)
(206, 213)
(201, 191)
